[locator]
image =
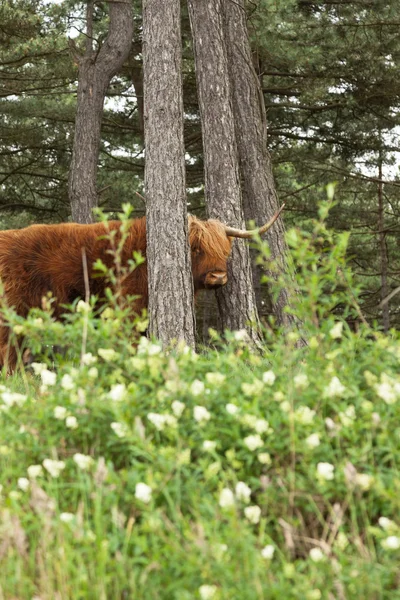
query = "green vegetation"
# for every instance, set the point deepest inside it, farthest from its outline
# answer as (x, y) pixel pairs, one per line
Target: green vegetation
(128, 472)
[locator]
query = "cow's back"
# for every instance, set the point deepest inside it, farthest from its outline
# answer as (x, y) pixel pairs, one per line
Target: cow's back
(44, 258)
(49, 258)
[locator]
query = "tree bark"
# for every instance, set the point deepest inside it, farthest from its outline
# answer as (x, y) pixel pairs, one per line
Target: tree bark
(383, 250)
(236, 301)
(260, 201)
(171, 307)
(96, 70)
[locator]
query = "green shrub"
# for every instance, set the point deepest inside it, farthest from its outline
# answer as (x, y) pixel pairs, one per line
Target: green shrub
(129, 472)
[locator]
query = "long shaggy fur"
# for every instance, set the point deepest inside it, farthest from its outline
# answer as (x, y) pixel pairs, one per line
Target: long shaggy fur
(48, 258)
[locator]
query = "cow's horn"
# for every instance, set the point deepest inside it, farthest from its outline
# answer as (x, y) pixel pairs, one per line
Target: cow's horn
(243, 233)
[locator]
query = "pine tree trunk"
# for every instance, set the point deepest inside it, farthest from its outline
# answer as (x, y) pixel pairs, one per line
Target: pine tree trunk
(171, 307)
(383, 250)
(260, 200)
(236, 301)
(96, 70)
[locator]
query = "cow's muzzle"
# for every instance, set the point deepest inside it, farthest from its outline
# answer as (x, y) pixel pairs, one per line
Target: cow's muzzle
(215, 279)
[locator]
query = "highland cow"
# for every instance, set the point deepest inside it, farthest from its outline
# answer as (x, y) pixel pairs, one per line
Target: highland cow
(49, 258)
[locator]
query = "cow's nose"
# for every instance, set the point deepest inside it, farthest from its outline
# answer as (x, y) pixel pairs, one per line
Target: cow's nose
(216, 278)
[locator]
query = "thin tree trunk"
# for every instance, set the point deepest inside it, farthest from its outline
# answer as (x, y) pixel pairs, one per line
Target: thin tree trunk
(171, 306)
(136, 70)
(236, 301)
(260, 200)
(383, 250)
(96, 70)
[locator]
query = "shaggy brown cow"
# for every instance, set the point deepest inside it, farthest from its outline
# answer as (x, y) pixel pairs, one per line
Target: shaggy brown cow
(48, 258)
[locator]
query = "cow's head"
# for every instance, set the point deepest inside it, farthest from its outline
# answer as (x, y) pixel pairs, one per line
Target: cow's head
(211, 243)
(210, 248)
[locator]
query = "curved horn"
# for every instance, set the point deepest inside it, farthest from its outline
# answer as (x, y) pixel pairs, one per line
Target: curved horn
(243, 233)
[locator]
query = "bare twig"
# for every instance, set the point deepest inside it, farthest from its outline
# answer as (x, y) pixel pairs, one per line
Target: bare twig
(87, 298)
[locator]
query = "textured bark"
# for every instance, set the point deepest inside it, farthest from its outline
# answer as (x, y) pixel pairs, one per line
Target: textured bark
(236, 301)
(96, 70)
(383, 251)
(260, 200)
(136, 70)
(169, 262)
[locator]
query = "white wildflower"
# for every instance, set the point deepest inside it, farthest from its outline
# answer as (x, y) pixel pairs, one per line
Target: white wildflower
(71, 422)
(23, 483)
(325, 471)
(269, 377)
(67, 383)
(252, 389)
(54, 467)
(18, 329)
(209, 445)
(48, 377)
(279, 396)
(317, 555)
(60, 412)
(391, 543)
(67, 517)
(178, 408)
(83, 307)
(89, 359)
(170, 420)
(241, 335)
(264, 458)
(249, 420)
(253, 442)
(153, 349)
(286, 406)
(157, 420)
(300, 381)
(117, 392)
(262, 426)
(232, 409)
(201, 414)
(348, 416)
(108, 354)
(226, 498)
(268, 551)
(197, 387)
(143, 492)
(13, 398)
(160, 421)
(386, 391)
(313, 441)
(336, 331)
(334, 389)
(83, 461)
(243, 492)
(304, 415)
(93, 373)
(330, 424)
(376, 418)
(341, 541)
(38, 367)
(120, 429)
(215, 378)
(34, 471)
(207, 592)
(253, 514)
(386, 523)
(364, 481)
